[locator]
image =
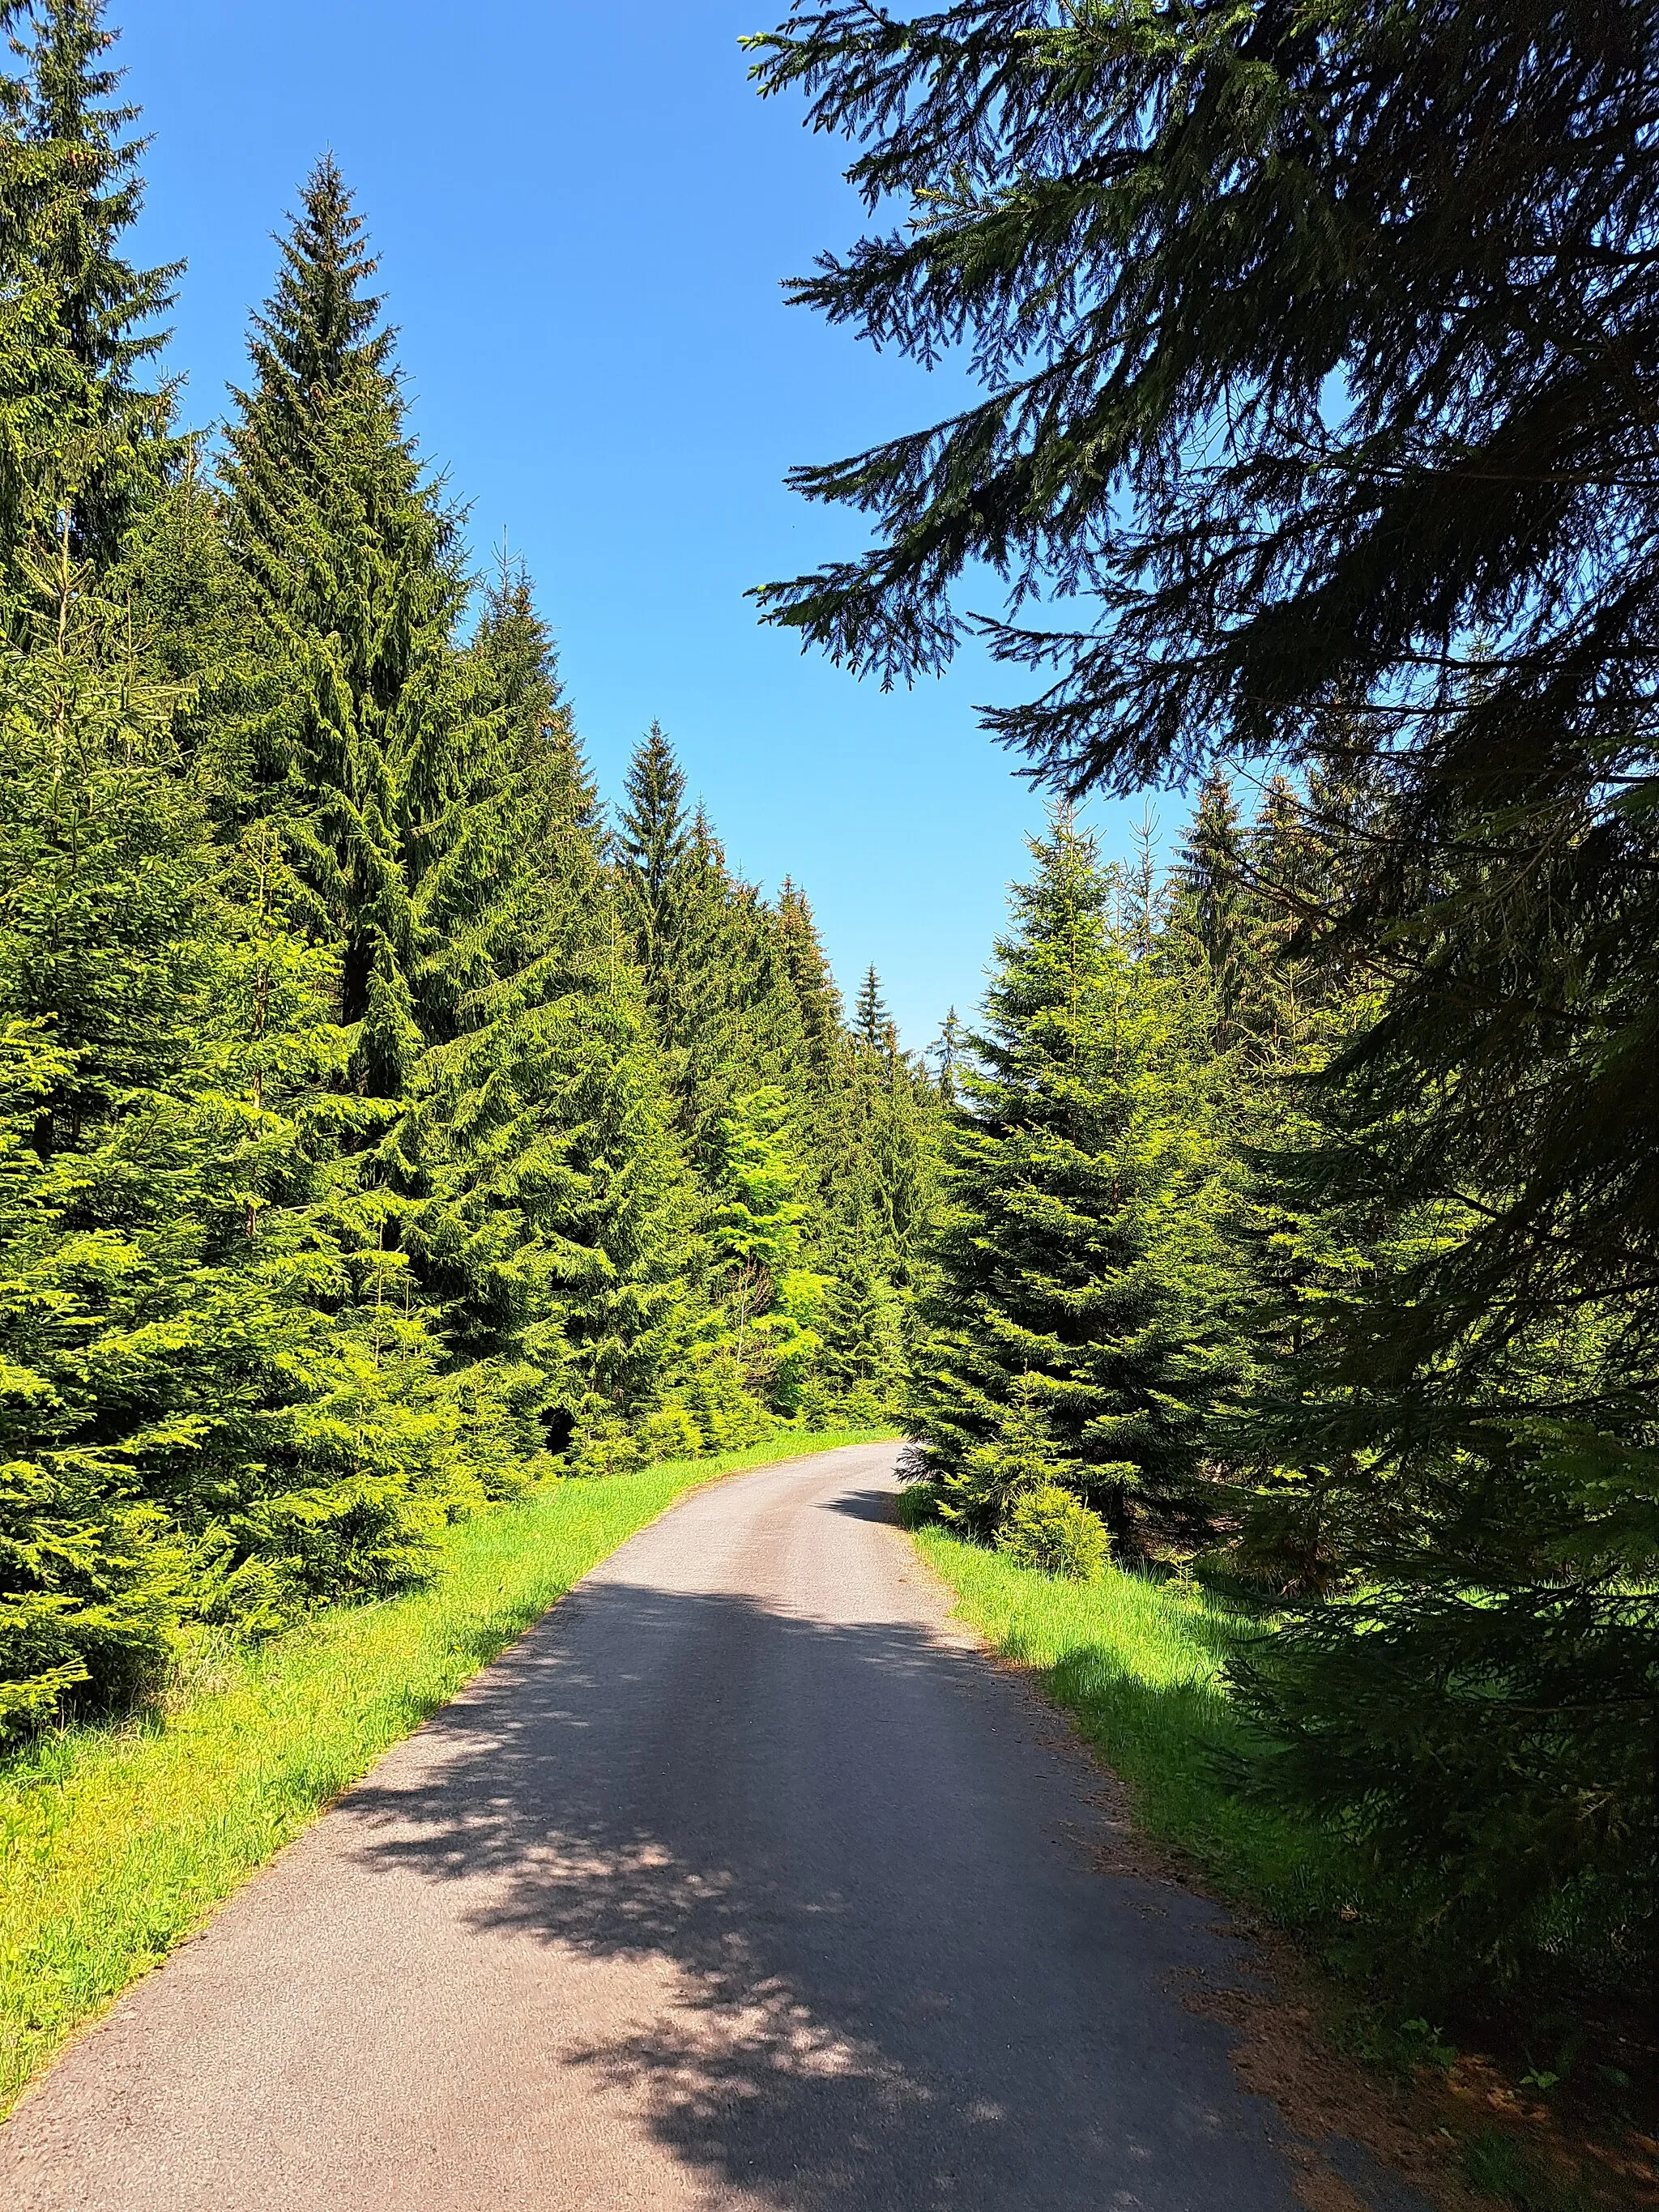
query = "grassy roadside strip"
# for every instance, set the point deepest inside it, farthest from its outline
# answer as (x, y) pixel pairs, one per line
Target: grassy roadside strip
(1138, 1664)
(116, 1843)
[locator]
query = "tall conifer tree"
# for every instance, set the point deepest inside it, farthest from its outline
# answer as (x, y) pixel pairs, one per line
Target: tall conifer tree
(368, 749)
(1076, 1221)
(89, 430)
(654, 845)
(871, 1022)
(558, 1237)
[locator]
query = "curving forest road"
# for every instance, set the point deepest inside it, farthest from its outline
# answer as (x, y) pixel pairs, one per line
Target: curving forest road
(743, 1880)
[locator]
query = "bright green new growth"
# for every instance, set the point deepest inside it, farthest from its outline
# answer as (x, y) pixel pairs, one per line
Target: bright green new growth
(364, 1106)
(755, 1237)
(1047, 1528)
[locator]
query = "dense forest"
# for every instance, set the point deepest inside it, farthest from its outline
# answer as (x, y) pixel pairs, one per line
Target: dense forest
(387, 1126)
(1301, 1215)
(383, 1125)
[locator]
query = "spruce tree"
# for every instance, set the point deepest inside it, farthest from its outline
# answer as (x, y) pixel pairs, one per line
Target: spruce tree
(870, 1132)
(744, 1006)
(615, 1209)
(755, 1234)
(105, 883)
(655, 844)
(859, 1371)
(885, 1180)
(88, 1584)
(366, 1136)
(1076, 1227)
(1460, 590)
(871, 1022)
(416, 789)
(1218, 904)
(514, 664)
(424, 793)
(1137, 254)
(731, 993)
(1017, 1461)
(101, 884)
(219, 1411)
(745, 1020)
(1330, 452)
(946, 1050)
(369, 756)
(86, 431)
(1455, 1470)
(559, 1235)
(816, 996)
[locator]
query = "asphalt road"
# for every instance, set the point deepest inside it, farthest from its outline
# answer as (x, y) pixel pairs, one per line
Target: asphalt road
(743, 1880)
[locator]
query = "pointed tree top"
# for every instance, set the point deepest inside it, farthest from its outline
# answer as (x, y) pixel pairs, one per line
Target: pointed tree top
(321, 324)
(945, 1050)
(65, 103)
(89, 312)
(871, 1022)
(655, 837)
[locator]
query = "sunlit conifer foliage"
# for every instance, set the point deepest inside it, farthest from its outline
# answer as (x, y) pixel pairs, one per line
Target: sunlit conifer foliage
(376, 1123)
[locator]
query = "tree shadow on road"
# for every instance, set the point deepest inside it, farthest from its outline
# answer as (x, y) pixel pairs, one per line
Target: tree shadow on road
(865, 1504)
(898, 1981)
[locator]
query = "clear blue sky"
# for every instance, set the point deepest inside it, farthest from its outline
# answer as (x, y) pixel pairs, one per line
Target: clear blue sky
(583, 215)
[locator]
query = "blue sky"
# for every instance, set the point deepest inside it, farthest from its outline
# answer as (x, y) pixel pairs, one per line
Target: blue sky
(583, 216)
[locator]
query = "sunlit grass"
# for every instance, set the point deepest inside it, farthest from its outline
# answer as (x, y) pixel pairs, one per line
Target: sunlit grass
(1139, 1664)
(117, 1842)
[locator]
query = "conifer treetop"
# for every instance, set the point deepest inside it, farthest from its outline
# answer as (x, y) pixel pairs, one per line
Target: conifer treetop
(654, 838)
(321, 330)
(871, 1022)
(1074, 1238)
(106, 308)
(946, 1051)
(513, 654)
(91, 437)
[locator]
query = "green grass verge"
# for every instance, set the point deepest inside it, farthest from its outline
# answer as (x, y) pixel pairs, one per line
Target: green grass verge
(116, 1842)
(1139, 1663)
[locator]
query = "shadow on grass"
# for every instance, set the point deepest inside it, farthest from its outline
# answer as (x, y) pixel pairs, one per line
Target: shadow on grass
(1185, 1758)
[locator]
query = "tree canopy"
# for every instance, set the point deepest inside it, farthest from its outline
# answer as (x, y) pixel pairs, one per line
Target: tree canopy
(1314, 351)
(376, 1121)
